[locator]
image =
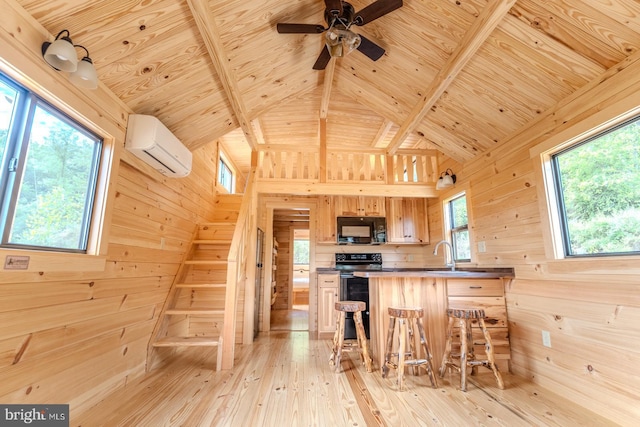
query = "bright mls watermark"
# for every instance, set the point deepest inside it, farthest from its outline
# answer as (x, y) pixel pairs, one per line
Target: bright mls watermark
(34, 415)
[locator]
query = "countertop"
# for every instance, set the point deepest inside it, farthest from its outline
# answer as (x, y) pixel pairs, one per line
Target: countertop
(462, 272)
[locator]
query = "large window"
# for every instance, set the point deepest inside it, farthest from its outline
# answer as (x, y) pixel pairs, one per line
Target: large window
(597, 186)
(457, 227)
(225, 176)
(49, 168)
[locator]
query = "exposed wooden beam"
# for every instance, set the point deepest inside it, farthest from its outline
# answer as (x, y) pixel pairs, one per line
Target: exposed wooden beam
(326, 89)
(323, 150)
(382, 133)
(480, 30)
(257, 128)
(209, 32)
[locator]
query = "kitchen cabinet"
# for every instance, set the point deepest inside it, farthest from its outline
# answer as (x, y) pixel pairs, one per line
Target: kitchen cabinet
(328, 288)
(326, 220)
(407, 220)
(360, 206)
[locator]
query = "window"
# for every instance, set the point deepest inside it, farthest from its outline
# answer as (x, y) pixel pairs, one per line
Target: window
(597, 190)
(48, 174)
(225, 176)
(301, 251)
(457, 227)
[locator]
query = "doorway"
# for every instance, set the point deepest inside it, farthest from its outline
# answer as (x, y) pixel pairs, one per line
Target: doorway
(290, 310)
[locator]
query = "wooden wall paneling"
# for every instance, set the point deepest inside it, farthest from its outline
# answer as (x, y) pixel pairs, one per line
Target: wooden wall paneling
(590, 307)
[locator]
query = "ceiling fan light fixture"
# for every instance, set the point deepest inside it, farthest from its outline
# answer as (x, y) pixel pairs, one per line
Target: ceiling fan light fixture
(341, 42)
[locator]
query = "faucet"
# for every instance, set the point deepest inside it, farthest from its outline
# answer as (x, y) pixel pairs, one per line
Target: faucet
(453, 262)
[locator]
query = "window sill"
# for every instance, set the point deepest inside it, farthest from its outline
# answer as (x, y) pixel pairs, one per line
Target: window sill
(25, 261)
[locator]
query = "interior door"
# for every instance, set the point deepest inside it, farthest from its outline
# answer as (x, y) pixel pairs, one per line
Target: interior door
(256, 302)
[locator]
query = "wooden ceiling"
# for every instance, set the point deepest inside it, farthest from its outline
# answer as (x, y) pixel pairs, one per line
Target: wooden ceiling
(458, 75)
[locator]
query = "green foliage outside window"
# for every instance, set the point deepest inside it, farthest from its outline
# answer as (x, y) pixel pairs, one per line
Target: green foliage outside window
(599, 186)
(301, 252)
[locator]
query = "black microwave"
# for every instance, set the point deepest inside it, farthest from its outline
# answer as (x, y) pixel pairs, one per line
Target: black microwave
(361, 230)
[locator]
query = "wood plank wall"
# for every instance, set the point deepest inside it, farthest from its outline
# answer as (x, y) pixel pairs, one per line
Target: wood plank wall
(73, 337)
(590, 307)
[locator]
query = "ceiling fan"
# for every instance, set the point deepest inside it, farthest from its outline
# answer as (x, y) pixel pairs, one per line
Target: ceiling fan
(339, 39)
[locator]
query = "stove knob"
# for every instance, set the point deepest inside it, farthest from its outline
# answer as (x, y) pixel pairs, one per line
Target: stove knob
(341, 257)
(376, 257)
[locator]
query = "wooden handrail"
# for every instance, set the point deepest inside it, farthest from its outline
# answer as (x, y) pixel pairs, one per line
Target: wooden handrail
(239, 270)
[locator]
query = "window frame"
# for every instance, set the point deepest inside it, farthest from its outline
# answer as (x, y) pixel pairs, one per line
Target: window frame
(559, 203)
(447, 225)
(19, 142)
(70, 100)
(224, 162)
(541, 156)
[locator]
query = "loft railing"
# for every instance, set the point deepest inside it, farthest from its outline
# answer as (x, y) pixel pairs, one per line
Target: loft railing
(287, 162)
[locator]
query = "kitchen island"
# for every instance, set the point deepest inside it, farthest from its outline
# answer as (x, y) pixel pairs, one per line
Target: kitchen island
(435, 290)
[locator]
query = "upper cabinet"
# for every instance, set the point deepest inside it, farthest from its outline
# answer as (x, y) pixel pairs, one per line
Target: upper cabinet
(407, 220)
(326, 220)
(359, 206)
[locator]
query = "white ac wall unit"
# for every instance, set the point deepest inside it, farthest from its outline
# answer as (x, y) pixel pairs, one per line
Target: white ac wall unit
(150, 140)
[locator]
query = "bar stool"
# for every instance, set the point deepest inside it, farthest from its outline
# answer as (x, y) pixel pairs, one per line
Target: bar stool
(339, 344)
(465, 318)
(407, 318)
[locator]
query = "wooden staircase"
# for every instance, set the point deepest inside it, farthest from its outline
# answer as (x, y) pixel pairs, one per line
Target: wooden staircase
(194, 310)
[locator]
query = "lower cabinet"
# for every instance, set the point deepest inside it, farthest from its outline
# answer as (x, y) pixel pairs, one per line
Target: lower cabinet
(328, 288)
(486, 294)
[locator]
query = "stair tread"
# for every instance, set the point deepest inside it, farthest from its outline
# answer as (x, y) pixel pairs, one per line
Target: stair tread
(205, 261)
(201, 285)
(186, 341)
(172, 311)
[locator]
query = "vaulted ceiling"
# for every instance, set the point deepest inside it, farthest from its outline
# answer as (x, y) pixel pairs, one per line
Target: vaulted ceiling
(458, 76)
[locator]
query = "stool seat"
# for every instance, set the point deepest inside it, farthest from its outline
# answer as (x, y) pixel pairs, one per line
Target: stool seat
(350, 306)
(339, 344)
(407, 318)
(406, 312)
(465, 318)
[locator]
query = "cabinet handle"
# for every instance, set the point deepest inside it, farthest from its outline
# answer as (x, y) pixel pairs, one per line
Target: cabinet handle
(475, 287)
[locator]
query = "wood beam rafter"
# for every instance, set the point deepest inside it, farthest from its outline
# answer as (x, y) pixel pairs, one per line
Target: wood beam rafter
(326, 89)
(382, 133)
(480, 30)
(209, 32)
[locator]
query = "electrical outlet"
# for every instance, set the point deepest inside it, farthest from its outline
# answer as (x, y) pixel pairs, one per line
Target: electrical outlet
(482, 246)
(546, 339)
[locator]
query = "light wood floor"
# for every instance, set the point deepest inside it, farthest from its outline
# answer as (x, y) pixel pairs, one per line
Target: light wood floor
(290, 320)
(283, 379)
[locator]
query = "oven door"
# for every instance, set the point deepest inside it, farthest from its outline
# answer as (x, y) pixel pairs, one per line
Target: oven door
(354, 289)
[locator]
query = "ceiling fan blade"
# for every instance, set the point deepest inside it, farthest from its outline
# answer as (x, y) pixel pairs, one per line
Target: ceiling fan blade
(369, 48)
(323, 59)
(300, 28)
(375, 10)
(334, 7)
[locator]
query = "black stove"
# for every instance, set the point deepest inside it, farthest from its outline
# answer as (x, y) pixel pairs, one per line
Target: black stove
(347, 263)
(354, 288)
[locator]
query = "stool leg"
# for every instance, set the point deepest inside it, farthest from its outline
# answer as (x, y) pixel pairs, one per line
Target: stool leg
(402, 348)
(334, 349)
(362, 341)
(427, 354)
(488, 346)
(446, 359)
(338, 357)
(389, 352)
(412, 345)
(471, 354)
(463, 354)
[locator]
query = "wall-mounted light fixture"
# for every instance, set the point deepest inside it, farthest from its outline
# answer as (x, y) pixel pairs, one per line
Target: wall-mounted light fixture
(61, 55)
(446, 180)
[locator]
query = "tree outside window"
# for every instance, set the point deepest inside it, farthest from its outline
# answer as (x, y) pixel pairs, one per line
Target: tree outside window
(457, 227)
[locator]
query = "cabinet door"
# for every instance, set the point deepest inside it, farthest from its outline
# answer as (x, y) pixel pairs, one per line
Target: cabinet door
(326, 220)
(372, 206)
(348, 206)
(407, 220)
(328, 285)
(326, 309)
